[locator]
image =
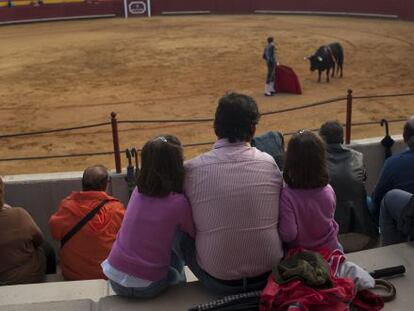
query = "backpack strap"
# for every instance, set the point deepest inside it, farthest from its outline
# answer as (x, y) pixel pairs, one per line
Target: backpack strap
(82, 222)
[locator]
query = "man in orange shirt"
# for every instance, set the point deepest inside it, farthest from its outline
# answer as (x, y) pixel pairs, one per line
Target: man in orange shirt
(82, 255)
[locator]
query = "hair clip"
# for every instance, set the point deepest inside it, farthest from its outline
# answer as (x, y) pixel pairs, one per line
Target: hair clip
(300, 132)
(163, 139)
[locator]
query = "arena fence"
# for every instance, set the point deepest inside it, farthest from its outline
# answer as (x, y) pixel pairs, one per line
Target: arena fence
(348, 99)
(18, 11)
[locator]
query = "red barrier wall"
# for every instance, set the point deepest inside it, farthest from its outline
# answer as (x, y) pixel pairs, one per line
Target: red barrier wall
(403, 8)
(60, 10)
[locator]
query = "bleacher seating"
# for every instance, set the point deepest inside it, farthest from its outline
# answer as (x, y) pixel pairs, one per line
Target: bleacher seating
(97, 294)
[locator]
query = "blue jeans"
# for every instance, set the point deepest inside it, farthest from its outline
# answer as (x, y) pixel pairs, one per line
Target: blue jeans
(391, 207)
(214, 285)
(175, 275)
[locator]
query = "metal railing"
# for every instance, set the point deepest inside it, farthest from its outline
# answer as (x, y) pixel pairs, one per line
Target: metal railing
(349, 98)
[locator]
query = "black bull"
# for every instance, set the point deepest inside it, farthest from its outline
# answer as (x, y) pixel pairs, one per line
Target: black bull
(327, 57)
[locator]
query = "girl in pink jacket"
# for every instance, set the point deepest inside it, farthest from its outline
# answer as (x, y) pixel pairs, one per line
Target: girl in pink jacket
(307, 202)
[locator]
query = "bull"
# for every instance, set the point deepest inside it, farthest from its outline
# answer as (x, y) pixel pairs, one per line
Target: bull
(327, 57)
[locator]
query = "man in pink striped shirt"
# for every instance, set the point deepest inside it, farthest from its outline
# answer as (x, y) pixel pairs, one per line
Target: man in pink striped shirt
(234, 193)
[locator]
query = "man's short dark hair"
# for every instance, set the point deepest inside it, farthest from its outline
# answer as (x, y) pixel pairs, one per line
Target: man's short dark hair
(95, 178)
(270, 39)
(332, 132)
(162, 168)
(236, 116)
(408, 133)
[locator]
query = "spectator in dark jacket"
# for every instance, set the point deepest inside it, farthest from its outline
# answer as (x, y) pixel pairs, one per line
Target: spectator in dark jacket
(394, 190)
(347, 177)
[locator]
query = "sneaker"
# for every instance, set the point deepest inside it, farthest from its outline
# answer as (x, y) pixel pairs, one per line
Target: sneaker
(268, 94)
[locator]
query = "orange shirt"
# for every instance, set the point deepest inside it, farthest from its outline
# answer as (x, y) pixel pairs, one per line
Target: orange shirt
(82, 255)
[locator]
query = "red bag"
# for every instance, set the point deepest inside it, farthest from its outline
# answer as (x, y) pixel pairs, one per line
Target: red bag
(295, 295)
(367, 301)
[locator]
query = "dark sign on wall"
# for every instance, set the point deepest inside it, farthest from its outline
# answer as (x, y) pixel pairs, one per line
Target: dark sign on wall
(136, 8)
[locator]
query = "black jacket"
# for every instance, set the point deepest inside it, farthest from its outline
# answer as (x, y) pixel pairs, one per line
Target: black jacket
(347, 178)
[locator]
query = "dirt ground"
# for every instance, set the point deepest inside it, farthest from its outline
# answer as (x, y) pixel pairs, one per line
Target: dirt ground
(65, 74)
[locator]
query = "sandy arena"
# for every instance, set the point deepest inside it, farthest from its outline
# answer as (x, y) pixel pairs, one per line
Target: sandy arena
(67, 74)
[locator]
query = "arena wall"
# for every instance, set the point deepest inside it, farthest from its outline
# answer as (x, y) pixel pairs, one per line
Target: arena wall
(403, 9)
(59, 11)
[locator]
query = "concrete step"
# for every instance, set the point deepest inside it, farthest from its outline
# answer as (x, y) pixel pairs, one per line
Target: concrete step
(71, 305)
(96, 295)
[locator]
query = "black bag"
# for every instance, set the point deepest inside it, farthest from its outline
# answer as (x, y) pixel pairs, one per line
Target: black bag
(405, 223)
(82, 222)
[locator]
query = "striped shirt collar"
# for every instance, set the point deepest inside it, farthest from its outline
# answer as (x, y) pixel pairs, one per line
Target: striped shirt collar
(224, 142)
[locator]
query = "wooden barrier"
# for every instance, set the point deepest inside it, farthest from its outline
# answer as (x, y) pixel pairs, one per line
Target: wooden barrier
(46, 9)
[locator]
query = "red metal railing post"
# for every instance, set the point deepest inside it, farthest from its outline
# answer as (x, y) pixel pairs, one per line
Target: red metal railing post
(348, 117)
(115, 140)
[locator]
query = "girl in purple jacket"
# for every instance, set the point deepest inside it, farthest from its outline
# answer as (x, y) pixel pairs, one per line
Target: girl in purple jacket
(307, 202)
(144, 259)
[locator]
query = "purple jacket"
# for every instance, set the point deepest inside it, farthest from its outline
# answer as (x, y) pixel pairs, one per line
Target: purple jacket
(143, 245)
(306, 218)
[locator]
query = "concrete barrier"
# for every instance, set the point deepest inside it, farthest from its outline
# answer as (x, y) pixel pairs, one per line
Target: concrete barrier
(374, 155)
(48, 292)
(71, 305)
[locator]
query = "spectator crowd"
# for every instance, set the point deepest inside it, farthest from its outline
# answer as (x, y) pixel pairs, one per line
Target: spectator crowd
(230, 214)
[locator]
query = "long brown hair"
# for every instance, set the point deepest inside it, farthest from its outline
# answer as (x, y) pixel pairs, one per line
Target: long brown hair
(305, 165)
(162, 168)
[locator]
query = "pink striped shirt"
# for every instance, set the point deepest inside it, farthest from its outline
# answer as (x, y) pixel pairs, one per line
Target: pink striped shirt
(234, 193)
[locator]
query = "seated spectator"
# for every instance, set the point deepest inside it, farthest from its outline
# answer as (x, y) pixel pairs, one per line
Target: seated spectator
(397, 217)
(24, 256)
(307, 202)
(273, 144)
(397, 183)
(144, 260)
(347, 177)
(81, 256)
(234, 194)
(398, 170)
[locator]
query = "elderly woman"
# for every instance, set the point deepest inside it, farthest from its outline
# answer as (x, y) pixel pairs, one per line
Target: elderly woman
(22, 259)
